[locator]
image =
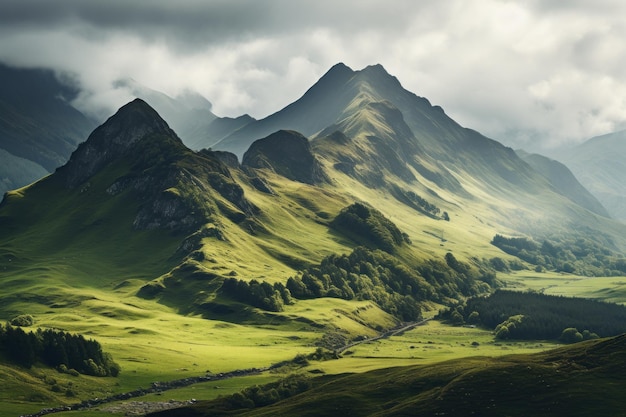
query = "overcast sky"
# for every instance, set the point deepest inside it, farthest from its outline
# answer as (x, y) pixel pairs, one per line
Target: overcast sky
(531, 74)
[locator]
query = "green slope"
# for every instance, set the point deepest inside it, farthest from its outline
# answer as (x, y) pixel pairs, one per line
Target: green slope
(564, 182)
(581, 380)
(132, 240)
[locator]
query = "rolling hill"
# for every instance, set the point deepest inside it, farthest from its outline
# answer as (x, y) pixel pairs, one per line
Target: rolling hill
(355, 208)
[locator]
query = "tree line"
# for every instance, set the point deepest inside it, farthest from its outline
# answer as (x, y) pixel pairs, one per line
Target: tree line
(67, 352)
(369, 227)
(579, 255)
(367, 274)
(397, 288)
(257, 294)
(531, 316)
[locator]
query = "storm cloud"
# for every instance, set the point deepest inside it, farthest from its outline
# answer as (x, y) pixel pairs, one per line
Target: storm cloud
(530, 74)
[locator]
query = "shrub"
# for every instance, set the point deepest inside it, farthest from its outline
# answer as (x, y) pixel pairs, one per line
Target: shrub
(571, 335)
(23, 320)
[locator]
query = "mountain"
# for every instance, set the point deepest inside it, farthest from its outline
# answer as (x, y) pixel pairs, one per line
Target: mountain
(378, 211)
(564, 181)
(131, 185)
(288, 154)
(599, 165)
(373, 104)
(365, 125)
(188, 113)
(37, 124)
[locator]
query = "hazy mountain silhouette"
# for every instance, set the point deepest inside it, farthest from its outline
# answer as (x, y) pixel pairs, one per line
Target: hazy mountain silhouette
(600, 165)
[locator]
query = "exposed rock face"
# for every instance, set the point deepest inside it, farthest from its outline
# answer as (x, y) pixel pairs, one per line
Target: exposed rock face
(177, 189)
(113, 139)
(228, 158)
(287, 153)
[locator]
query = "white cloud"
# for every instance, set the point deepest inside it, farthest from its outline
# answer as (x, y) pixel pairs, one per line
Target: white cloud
(531, 74)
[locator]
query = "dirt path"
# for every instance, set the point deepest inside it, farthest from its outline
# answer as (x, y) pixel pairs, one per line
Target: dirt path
(384, 335)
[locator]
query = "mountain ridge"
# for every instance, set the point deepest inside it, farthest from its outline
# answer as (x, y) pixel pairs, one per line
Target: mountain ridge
(564, 182)
(37, 124)
(137, 234)
(598, 164)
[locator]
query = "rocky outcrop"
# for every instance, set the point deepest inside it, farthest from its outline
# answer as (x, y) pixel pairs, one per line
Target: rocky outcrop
(119, 136)
(287, 153)
(176, 188)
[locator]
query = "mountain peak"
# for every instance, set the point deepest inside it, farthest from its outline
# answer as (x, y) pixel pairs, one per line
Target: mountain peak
(117, 137)
(139, 117)
(339, 68)
(375, 68)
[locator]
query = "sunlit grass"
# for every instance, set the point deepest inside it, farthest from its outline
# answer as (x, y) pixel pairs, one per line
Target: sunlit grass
(609, 289)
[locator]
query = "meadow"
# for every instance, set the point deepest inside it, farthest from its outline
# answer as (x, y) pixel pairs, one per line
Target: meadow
(89, 284)
(153, 342)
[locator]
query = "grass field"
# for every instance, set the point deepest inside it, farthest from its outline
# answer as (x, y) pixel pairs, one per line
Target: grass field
(609, 289)
(153, 342)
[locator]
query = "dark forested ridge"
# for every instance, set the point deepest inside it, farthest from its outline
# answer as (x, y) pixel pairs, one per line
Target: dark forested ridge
(577, 380)
(581, 255)
(529, 315)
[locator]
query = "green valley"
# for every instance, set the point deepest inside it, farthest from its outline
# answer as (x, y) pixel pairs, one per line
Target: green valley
(312, 250)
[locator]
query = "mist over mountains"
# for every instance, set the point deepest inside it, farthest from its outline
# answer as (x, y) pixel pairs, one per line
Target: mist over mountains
(334, 103)
(356, 208)
(362, 124)
(599, 165)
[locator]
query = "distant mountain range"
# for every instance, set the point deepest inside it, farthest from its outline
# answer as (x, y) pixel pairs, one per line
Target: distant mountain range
(39, 128)
(600, 165)
(359, 127)
(349, 211)
(564, 182)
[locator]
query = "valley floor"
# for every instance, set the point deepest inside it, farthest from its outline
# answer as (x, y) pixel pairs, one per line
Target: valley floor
(183, 347)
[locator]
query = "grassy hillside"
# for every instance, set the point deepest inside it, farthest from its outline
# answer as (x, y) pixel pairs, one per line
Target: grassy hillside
(580, 380)
(132, 242)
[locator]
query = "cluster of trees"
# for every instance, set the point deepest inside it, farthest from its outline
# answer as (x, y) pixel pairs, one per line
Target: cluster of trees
(260, 396)
(577, 255)
(418, 203)
(258, 294)
(531, 316)
(67, 352)
(572, 335)
(368, 226)
(375, 275)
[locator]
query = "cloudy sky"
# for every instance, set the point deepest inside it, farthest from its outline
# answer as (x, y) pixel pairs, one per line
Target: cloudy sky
(531, 74)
